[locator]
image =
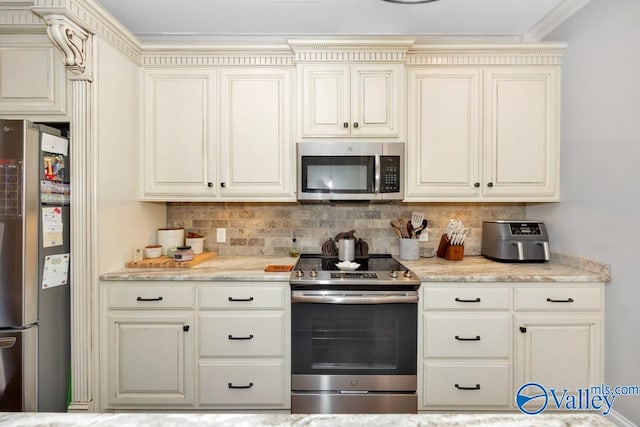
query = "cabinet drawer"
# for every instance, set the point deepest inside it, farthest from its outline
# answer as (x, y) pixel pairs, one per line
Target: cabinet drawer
(241, 335)
(558, 299)
(151, 297)
(467, 298)
(242, 384)
(466, 385)
(242, 297)
(467, 336)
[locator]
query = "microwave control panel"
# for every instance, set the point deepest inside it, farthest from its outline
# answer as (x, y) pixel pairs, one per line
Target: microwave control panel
(390, 174)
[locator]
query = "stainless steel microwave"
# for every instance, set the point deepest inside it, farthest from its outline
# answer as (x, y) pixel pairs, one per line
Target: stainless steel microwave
(350, 170)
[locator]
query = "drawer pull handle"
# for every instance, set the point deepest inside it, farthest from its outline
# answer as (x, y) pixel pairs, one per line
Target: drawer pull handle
(240, 386)
(477, 338)
(467, 300)
(231, 337)
(232, 299)
(149, 299)
(459, 387)
(559, 300)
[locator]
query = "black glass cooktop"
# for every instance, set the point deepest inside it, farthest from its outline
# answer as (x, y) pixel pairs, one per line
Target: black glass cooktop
(381, 262)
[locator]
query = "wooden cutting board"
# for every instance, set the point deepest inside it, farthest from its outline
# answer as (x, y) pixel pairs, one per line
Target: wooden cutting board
(271, 268)
(166, 262)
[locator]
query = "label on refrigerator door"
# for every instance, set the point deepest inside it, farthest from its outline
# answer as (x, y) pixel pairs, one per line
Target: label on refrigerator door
(54, 144)
(52, 227)
(55, 271)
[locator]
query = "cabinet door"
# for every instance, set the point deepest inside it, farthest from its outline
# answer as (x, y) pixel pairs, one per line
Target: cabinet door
(559, 352)
(179, 133)
(376, 93)
(256, 151)
(150, 359)
(444, 134)
(325, 101)
(522, 132)
(32, 78)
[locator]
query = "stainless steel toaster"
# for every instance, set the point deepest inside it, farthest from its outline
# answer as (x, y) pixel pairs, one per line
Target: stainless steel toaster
(515, 241)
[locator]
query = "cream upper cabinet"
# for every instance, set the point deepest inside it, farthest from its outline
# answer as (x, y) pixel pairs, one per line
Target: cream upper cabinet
(256, 158)
(358, 100)
(32, 77)
(216, 134)
(180, 133)
(483, 134)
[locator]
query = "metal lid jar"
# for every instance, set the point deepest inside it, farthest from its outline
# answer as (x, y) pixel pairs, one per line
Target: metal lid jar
(183, 253)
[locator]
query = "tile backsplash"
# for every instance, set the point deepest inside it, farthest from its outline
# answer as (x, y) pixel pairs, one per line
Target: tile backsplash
(255, 229)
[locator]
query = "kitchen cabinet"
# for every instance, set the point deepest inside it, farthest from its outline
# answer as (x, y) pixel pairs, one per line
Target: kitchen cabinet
(218, 134)
(243, 359)
(180, 133)
(559, 336)
(32, 77)
(465, 349)
(195, 345)
(483, 134)
(149, 346)
(351, 100)
(478, 344)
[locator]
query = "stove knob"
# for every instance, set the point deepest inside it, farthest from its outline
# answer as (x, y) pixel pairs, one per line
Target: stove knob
(394, 274)
(299, 273)
(408, 274)
(313, 273)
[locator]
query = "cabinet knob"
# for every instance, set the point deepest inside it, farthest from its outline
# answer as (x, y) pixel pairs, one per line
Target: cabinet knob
(345, 125)
(210, 184)
(489, 184)
(477, 184)
(185, 328)
(355, 124)
(223, 184)
(523, 329)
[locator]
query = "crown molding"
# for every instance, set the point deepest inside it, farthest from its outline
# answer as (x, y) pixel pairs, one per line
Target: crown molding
(216, 54)
(388, 49)
(486, 54)
(552, 20)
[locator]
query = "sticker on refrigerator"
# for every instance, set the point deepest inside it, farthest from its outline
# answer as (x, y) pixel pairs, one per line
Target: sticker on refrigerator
(54, 144)
(53, 167)
(55, 271)
(52, 227)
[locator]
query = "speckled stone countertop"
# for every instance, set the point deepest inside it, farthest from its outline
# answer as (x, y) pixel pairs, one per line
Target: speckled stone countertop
(470, 269)
(285, 420)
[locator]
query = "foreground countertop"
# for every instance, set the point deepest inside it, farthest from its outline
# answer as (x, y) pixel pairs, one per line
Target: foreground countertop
(470, 269)
(285, 420)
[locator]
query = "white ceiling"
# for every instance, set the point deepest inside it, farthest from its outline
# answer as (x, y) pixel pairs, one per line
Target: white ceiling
(228, 20)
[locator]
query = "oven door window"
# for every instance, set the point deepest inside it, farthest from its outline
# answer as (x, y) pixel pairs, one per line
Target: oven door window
(338, 174)
(344, 339)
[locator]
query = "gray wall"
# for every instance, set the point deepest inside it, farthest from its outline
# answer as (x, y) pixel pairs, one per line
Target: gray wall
(600, 171)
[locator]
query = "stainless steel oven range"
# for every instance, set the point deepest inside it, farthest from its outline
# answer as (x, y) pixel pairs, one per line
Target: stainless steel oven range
(353, 336)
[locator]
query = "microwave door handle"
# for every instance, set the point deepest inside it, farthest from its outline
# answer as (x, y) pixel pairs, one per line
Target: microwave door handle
(377, 173)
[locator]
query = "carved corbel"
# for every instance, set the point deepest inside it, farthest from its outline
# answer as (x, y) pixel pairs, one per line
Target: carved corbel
(75, 44)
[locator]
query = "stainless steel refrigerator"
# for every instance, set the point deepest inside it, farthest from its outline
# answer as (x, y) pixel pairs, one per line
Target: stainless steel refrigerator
(34, 268)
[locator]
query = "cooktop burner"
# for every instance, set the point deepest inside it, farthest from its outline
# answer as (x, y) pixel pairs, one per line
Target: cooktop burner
(314, 271)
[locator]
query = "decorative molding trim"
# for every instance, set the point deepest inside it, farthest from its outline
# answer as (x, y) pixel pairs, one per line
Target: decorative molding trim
(90, 16)
(351, 50)
(73, 41)
(486, 54)
(215, 55)
(552, 20)
(618, 419)
(18, 18)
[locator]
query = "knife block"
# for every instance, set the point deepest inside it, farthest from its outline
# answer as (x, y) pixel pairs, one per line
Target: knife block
(448, 251)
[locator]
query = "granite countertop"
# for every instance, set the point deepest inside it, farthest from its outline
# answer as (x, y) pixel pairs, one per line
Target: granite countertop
(470, 269)
(286, 420)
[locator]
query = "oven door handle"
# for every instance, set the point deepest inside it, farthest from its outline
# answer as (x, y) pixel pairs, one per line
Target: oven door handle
(354, 299)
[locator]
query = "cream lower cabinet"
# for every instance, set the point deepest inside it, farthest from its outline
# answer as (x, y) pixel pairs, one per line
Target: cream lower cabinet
(194, 345)
(147, 340)
(480, 343)
(243, 349)
(483, 134)
(218, 134)
(559, 336)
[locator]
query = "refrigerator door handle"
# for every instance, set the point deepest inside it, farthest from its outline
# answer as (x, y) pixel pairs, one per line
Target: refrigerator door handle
(7, 342)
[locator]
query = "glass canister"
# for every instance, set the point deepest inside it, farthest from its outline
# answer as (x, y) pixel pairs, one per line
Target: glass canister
(183, 253)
